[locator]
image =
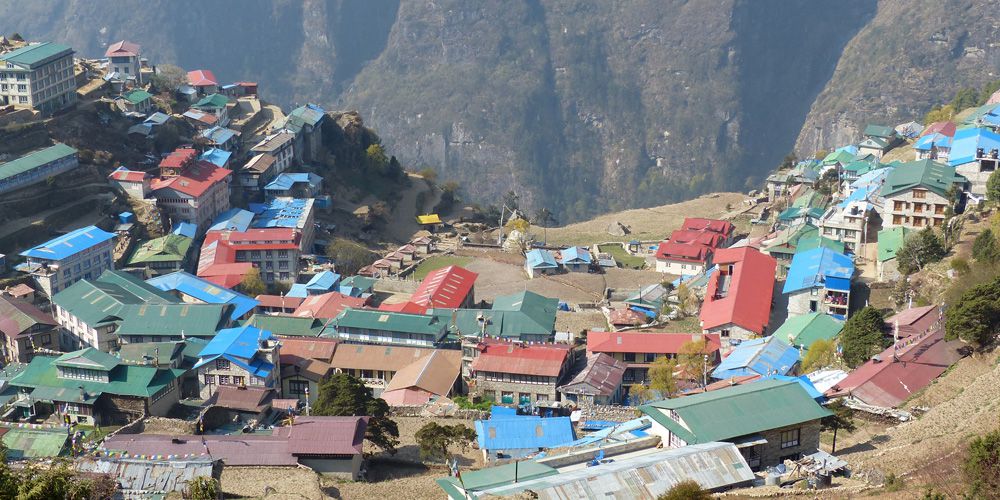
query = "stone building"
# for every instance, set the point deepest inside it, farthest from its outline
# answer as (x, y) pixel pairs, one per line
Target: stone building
(516, 373)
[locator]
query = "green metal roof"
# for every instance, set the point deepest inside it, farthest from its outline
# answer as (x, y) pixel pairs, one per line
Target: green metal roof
(808, 328)
(89, 358)
(144, 352)
(390, 322)
(102, 300)
(842, 157)
(359, 282)
(35, 54)
(815, 241)
(737, 411)
(874, 142)
(34, 160)
(927, 174)
(137, 96)
(505, 474)
(291, 326)
(125, 380)
(172, 320)
(213, 101)
(890, 240)
(169, 248)
(882, 131)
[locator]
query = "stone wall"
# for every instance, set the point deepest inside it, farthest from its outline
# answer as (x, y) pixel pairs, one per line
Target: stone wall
(772, 452)
(418, 411)
(613, 413)
(395, 285)
(483, 385)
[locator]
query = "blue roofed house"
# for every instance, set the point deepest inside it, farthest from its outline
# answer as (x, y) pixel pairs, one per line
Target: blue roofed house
(576, 259)
(819, 280)
(84, 253)
(540, 261)
(295, 185)
(296, 214)
(934, 146)
(185, 229)
(192, 289)
(306, 122)
(220, 138)
(320, 283)
(509, 437)
(241, 357)
(764, 356)
(234, 219)
(975, 154)
(218, 157)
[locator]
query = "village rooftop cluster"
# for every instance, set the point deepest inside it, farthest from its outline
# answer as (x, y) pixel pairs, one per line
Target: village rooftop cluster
(106, 328)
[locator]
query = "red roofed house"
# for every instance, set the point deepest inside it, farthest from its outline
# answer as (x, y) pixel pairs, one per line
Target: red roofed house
(683, 258)
(638, 350)
(124, 59)
(203, 81)
(327, 305)
(707, 238)
(274, 251)
(512, 373)
(217, 262)
(277, 304)
(134, 183)
(723, 227)
(451, 287)
(902, 370)
(913, 321)
(738, 298)
(191, 190)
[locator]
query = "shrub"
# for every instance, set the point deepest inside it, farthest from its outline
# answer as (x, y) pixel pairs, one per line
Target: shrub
(982, 466)
(686, 490)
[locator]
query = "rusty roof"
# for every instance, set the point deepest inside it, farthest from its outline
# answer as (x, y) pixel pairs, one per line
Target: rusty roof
(435, 373)
(325, 435)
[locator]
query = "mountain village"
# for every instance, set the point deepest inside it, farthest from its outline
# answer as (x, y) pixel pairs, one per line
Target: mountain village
(201, 329)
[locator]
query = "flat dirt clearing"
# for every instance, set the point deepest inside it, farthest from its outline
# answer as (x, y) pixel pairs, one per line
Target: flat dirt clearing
(646, 223)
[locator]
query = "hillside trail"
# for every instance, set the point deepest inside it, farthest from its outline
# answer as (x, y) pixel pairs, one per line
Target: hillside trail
(402, 224)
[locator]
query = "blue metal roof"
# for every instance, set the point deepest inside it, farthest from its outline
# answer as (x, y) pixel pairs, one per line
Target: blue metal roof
(187, 229)
(218, 135)
(578, 254)
(323, 282)
(842, 284)
(812, 268)
(240, 342)
(298, 290)
(523, 433)
(205, 291)
(285, 181)
(69, 244)
(281, 212)
(967, 141)
(850, 148)
(234, 219)
(764, 356)
(935, 140)
(217, 157)
(541, 259)
(502, 412)
(158, 118)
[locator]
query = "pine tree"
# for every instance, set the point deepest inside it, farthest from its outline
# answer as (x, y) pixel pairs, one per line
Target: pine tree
(862, 336)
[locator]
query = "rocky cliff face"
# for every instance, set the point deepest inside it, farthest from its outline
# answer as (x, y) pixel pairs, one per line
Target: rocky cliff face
(581, 107)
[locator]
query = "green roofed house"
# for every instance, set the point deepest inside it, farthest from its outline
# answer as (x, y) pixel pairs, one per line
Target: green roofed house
(803, 330)
(217, 105)
(118, 307)
(288, 326)
(37, 166)
(875, 146)
(799, 237)
(768, 420)
(493, 477)
(163, 255)
(389, 328)
(838, 158)
(28, 443)
(884, 132)
(93, 387)
(917, 194)
(306, 122)
(44, 74)
(889, 242)
(136, 101)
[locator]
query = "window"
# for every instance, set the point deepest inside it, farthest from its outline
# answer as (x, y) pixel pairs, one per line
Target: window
(649, 357)
(541, 397)
(237, 380)
(898, 206)
(209, 379)
(507, 397)
(222, 364)
(282, 253)
(298, 387)
(919, 194)
(789, 438)
(45, 339)
(629, 357)
(223, 379)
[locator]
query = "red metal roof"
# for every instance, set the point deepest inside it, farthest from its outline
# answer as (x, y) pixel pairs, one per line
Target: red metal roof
(722, 227)
(201, 78)
(914, 321)
(708, 238)
(722, 384)
(195, 180)
(251, 399)
(122, 49)
(406, 397)
(327, 305)
(125, 175)
(295, 349)
(747, 302)
(943, 128)
(687, 252)
(539, 360)
(279, 301)
(404, 307)
(904, 368)
(445, 288)
(646, 342)
(179, 158)
(325, 435)
(217, 262)
(627, 317)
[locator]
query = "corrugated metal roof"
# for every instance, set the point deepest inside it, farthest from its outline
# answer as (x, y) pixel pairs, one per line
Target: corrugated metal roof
(805, 329)
(764, 356)
(137, 476)
(713, 466)
(523, 433)
(36, 53)
(69, 244)
(812, 267)
(599, 375)
(205, 291)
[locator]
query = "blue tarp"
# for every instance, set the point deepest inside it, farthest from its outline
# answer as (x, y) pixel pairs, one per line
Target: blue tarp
(217, 157)
(764, 356)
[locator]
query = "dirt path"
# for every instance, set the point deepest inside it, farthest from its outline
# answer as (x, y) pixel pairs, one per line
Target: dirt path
(402, 225)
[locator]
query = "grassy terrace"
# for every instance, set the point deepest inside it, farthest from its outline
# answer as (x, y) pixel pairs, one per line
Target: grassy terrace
(437, 262)
(623, 257)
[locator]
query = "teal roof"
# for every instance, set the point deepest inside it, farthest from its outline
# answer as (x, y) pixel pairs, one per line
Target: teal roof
(34, 160)
(881, 131)
(89, 358)
(169, 248)
(125, 380)
(504, 474)
(807, 243)
(36, 53)
(805, 329)
(737, 411)
(291, 326)
(890, 240)
(842, 157)
(522, 313)
(390, 322)
(137, 96)
(214, 101)
(927, 174)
